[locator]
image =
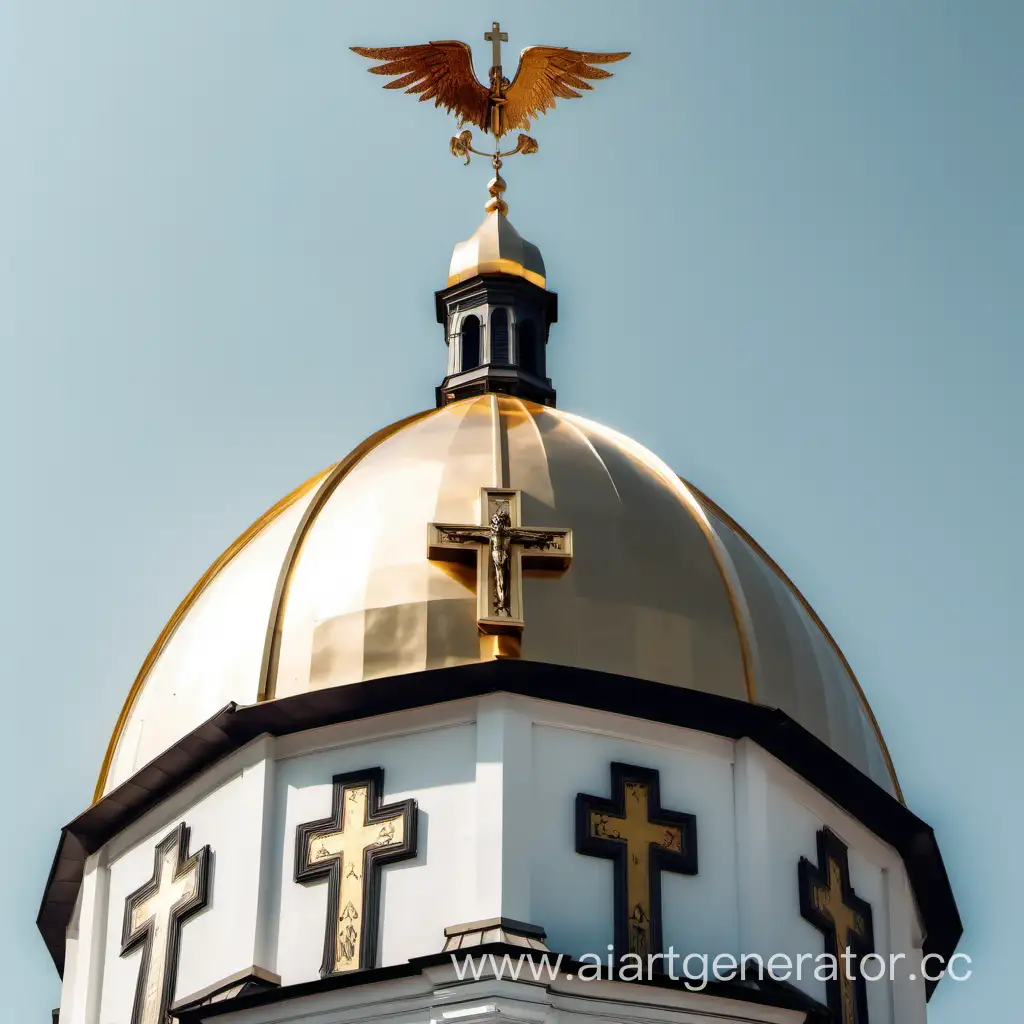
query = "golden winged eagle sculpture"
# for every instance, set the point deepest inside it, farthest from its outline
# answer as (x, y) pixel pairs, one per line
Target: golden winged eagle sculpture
(443, 72)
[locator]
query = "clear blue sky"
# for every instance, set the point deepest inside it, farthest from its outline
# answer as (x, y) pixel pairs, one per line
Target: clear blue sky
(787, 243)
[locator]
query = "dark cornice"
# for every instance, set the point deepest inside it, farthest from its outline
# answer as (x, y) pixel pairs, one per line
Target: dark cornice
(234, 726)
(501, 286)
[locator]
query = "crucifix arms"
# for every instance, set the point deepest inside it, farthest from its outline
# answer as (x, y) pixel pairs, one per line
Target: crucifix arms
(538, 540)
(465, 535)
(527, 539)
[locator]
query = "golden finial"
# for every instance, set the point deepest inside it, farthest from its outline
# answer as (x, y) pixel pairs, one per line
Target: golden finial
(495, 187)
(443, 71)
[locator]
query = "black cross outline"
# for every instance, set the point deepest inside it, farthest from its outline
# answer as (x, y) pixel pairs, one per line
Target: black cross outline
(179, 913)
(683, 862)
(374, 857)
(812, 876)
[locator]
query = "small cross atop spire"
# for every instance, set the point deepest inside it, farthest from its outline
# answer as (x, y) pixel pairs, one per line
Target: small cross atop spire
(496, 37)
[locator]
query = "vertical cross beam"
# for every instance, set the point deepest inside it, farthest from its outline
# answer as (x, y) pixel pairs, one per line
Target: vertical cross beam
(643, 839)
(348, 848)
(828, 902)
(496, 37)
(153, 916)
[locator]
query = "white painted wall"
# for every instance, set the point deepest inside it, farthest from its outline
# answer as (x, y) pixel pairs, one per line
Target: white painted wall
(220, 939)
(788, 820)
(495, 780)
(418, 896)
(572, 895)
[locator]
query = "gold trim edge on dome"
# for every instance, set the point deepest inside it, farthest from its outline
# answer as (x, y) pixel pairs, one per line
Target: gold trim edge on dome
(272, 639)
(806, 605)
(179, 614)
(734, 589)
(723, 562)
(510, 268)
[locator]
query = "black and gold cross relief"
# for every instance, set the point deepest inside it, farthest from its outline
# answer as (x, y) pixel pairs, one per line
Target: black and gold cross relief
(828, 901)
(348, 848)
(153, 916)
(643, 839)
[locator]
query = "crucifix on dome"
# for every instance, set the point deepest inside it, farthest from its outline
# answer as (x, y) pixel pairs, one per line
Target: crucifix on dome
(501, 548)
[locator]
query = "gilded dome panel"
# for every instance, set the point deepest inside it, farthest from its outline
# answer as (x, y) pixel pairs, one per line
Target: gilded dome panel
(650, 595)
(800, 669)
(362, 599)
(209, 654)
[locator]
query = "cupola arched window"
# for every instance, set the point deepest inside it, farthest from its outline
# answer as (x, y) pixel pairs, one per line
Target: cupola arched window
(470, 342)
(499, 336)
(526, 342)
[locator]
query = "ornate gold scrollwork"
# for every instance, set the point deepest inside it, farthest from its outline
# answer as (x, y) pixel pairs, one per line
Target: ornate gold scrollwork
(462, 145)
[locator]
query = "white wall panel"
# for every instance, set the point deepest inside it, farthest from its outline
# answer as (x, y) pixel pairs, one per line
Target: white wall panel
(220, 939)
(419, 897)
(572, 894)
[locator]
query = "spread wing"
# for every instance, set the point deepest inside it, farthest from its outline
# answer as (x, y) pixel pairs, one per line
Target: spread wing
(547, 73)
(440, 71)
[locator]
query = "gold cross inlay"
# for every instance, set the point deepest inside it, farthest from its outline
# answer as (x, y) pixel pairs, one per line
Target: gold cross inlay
(347, 847)
(643, 839)
(849, 927)
(830, 904)
(153, 917)
(510, 549)
(639, 833)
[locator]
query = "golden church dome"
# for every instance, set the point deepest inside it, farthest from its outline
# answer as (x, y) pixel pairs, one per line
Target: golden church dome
(333, 586)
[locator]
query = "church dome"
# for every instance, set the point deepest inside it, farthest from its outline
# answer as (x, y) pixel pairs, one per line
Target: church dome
(333, 585)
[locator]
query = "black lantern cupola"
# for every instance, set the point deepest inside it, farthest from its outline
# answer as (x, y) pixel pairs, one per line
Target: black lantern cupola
(496, 313)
